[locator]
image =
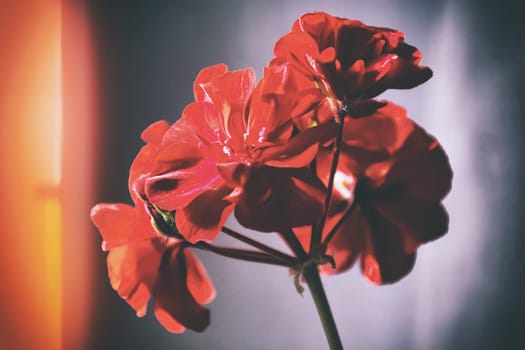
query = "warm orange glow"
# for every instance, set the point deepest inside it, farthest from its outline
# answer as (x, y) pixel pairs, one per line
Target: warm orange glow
(80, 241)
(37, 207)
(51, 266)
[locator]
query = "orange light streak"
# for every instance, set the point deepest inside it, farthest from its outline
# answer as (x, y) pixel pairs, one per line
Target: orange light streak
(37, 206)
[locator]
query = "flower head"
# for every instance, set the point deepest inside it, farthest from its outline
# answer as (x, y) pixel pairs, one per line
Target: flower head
(347, 60)
(390, 204)
(235, 149)
(144, 264)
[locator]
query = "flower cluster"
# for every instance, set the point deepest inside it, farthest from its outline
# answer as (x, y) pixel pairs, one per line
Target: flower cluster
(307, 153)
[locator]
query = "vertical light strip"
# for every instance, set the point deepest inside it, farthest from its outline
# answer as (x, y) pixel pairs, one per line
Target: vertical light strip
(30, 149)
(52, 268)
(79, 241)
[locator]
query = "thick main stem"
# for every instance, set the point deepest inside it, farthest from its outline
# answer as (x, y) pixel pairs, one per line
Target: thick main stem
(311, 276)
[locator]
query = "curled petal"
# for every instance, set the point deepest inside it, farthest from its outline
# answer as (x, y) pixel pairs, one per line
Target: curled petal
(384, 259)
(174, 304)
(176, 189)
(321, 26)
(199, 284)
(203, 218)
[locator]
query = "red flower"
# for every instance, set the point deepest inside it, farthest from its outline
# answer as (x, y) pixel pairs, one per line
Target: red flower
(143, 263)
(347, 60)
(396, 201)
(233, 149)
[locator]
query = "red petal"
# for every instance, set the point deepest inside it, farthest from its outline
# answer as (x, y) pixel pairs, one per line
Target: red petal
(133, 271)
(386, 129)
(201, 127)
(288, 158)
(173, 303)
(139, 300)
(384, 259)
(232, 88)
(205, 76)
(203, 218)
(404, 74)
(269, 110)
(176, 189)
(352, 43)
(418, 221)
(119, 225)
(168, 322)
(198, 281)
(154, 133)
(234, 174)
(301, 149)
(421, 168)
(321, 26)
(144, 161)
(301, 50)
(229, 93)
(276, 199)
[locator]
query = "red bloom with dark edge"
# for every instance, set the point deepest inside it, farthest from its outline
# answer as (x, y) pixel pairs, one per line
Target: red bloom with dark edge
(233, 149)
(397, 201)
(143, 263)
(348, 60)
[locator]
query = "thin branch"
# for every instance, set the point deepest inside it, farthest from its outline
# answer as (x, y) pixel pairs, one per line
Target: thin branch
(273, 252)
(240, 254)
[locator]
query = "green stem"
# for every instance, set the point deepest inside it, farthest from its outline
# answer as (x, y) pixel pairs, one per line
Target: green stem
(311, 276)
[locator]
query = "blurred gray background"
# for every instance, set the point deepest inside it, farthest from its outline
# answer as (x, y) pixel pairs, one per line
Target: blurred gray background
(466, 290)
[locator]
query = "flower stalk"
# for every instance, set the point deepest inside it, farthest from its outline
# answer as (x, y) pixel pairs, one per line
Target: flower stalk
(311, 276)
